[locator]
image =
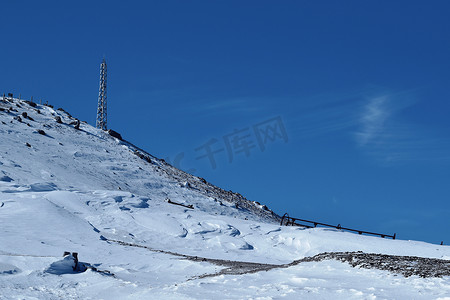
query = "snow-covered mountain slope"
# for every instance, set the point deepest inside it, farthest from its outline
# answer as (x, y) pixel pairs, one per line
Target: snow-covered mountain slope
(64, 189)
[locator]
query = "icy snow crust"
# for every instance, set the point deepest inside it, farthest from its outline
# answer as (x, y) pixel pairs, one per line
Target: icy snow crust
(87, 192)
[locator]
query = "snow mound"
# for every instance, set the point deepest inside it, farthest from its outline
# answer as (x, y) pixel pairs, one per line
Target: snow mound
(64, 266)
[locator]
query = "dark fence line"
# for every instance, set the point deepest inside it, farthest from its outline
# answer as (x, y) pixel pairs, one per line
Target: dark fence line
(286, 220)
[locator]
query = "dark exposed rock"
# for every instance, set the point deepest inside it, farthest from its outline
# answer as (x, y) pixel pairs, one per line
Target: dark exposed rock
(40, 131)
(26, 116)
(405, 265)
(58, 120)
(61, 109)
(142, 156)
(114, 134)
(30, 103)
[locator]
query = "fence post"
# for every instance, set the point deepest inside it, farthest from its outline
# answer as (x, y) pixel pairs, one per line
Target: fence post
(282, 219)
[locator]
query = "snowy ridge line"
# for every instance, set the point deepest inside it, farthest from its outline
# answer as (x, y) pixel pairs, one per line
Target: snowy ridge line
(29, 102)
(404, 265)
(204, 187)
(292, 221)
(161, 167)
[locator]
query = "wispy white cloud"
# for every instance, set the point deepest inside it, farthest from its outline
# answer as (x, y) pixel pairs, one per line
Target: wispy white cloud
(373, 120)
(378, 125)
(388, 137)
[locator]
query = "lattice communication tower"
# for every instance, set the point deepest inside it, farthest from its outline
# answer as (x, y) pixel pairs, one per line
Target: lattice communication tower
(101, 109)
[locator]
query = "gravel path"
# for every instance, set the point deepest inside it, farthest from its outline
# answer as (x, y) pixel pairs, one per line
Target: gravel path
(404, 265)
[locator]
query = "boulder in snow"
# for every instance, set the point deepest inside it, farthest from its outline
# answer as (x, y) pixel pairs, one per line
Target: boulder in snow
(114, 134)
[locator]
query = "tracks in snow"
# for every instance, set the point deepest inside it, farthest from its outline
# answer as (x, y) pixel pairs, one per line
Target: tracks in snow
(231, 267)
(404, 265)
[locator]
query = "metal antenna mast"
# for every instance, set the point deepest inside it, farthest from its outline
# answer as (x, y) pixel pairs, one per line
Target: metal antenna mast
(101, 109)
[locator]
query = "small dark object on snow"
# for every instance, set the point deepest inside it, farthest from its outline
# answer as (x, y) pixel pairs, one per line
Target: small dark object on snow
(26, 116)
(58, 120)
(40, 131)
(75, 255)
(61, 109)
(28, 145)
(30, 103)
(18, 119)
(77, 124)
(115, 134)
(76, 267)
(180, 204)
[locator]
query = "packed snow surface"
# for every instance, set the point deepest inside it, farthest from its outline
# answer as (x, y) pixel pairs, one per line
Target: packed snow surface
(83, 191)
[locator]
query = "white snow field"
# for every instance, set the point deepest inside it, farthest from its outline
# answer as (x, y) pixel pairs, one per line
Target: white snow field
(85, 191)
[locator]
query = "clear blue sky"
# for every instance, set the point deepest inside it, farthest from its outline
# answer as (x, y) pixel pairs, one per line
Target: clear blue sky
(361, 89)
